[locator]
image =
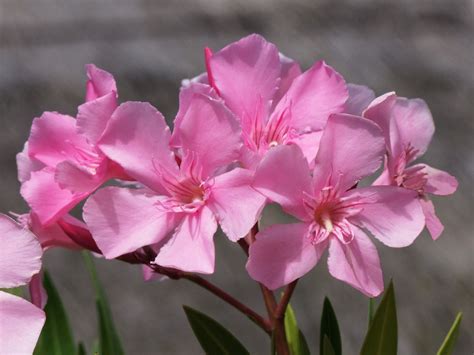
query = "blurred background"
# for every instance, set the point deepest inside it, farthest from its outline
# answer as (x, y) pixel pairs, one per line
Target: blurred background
(418, 48)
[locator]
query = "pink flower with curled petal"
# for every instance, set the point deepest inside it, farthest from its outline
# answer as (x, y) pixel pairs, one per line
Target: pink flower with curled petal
(20, 259)
(408, 128)
(61, 163)
(182, 203)
(273, 100)
(331, 212)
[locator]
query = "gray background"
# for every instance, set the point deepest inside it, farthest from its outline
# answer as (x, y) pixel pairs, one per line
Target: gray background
(418, 48)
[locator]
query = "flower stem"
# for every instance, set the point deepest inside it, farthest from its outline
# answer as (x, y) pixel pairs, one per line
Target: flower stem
(285, 299)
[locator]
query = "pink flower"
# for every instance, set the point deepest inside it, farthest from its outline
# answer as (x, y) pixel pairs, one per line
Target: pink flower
(273, 100)
(61, 163)
(20, 259)
(331, 212)
(408, 128)
(178, 209)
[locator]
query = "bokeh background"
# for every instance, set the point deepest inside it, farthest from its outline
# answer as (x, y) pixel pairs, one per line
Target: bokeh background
(418, 48)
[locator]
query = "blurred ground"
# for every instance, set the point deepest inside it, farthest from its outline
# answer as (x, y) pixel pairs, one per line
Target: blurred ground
(418, 48)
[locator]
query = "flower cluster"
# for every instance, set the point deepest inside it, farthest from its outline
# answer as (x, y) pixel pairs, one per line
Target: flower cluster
(253, 129)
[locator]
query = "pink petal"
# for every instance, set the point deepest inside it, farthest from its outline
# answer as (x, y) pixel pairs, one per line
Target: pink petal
(281, 254)
(356, 263)
(313, 97)
(137, 138)
(191, 248)
(53, 139)
(309, 144)
(210, 130)
(20, 254)
(351, 148)
(246, 74)
(438, 182)
(360, 97)
(122, 220)
(235, 203)
(433, 224)
(26, 165)
(50, 236)
(93, 116)
(415, 124)
(77, 180)
(46, 198)
(283, 176)
(20, 325)
(186, 94)
(290, 70)
(392, 214)
(100, 83)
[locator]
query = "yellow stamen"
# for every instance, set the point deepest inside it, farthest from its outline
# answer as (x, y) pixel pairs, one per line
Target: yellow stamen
(326, 219)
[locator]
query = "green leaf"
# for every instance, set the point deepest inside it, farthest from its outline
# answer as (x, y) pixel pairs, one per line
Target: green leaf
(109, 341)
(16, 291)
(330, 329)
(381, 339)
(371, 311)
(212, 336)
(56, 337)
(448, 343)
(327, 347)
(81, 350)
(296, 340)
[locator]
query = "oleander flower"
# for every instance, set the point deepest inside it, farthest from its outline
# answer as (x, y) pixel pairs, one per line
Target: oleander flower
(273, 100)
(408, 128)
(184, 195)
(61, 163)
(20, 259)
(332, 211)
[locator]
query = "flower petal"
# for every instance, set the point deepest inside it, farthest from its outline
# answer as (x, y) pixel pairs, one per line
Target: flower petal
(235, 203)
(26, 165)
(46, 198)
(433, 224)
(93, 116)
(415, 124)
(438, 182)
(53, 139)
(75, 179)
(246, 74)
(100, 82)
(281, 254)
(191, 248)
(20, 325)
(290, 70)
(51, 235)
(392, 214)
(210, 130)
(20, 254)
(309, 144)
(38, 294)
(351, 148)
(283, 176)
(356, 263)
(313, 97)
(122, 220)
(137, 138)
(360, 97)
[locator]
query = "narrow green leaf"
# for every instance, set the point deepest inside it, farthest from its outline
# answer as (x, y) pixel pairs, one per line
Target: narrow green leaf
(109, 340)
(327, 347)
(212, 336)
(381, 339)
(329, 328)
(16, 291)
(96, 347)
(371, 311)
(448, 343)
(56, 337)
(296, 340)
(81, 350)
